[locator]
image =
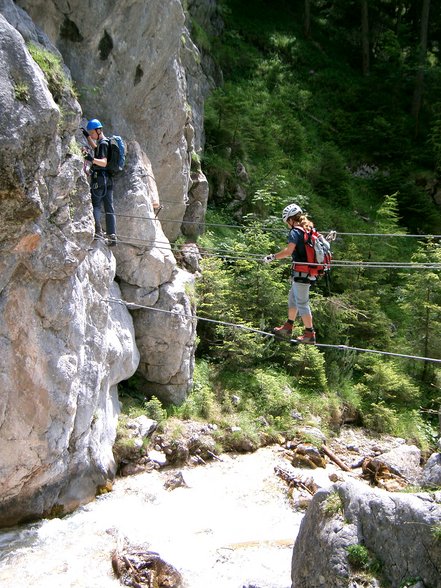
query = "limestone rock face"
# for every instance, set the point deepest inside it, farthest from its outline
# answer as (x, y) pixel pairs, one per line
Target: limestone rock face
(148, 277)
(66, 335)
(166, 341)
(194, 219)
(63, 347)
(395, 528)
(139, 73)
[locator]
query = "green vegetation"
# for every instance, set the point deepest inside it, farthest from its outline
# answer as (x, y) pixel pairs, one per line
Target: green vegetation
(21, 90)
(75, 147)
(309, 121)
(304, 116)
(154, 410)
(361, 559)
(436, 532)
(57, 79)
(332, 505)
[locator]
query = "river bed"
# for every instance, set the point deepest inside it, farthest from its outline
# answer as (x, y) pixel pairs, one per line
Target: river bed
(233, 526)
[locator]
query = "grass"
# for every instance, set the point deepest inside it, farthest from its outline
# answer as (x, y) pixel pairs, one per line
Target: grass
(57, 80)
(251, 408)
(21, 90)
(332, 505)
(436, 532)
(361, 559)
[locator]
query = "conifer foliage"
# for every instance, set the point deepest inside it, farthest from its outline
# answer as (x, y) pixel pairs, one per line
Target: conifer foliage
(338, 109)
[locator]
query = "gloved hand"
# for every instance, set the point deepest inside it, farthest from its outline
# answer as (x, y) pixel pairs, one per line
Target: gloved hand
(85, 133)
(268, 258)
(88, 157)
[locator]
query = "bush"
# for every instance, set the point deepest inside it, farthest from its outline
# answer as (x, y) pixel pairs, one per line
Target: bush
(332, 505)
(384, 381)
(436, 532)
(154, 410)
(380, 418)
(360, 559)
(201, 402)
(329, 176)
(308, 367)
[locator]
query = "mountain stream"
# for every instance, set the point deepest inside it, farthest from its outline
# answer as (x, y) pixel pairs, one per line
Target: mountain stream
(231, 526)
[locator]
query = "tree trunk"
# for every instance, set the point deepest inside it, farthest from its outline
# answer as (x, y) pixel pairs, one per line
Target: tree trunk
(426, 333)
(365, 50)
(419, 80)
(307, 20)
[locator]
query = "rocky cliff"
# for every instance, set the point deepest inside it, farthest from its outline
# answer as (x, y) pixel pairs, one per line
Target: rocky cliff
(67, 336)
(138, 71)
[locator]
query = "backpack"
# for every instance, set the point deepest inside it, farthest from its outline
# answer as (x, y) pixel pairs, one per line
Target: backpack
(318, 254)
(116, 156)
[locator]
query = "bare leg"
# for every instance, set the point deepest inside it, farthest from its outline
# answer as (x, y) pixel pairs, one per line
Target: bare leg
(292, 313)
(307, 321)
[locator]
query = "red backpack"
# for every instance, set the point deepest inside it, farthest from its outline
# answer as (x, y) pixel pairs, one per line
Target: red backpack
(318, 254)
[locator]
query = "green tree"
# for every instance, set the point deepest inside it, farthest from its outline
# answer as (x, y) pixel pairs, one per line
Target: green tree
(421, 303)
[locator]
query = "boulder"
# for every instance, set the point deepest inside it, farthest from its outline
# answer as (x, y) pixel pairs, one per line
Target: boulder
(150, 279)
(394, 528)
(431, 477)
(403, 461)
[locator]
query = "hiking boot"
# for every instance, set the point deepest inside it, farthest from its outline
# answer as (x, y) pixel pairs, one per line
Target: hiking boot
(99, 236)
(307, 337)
(284, 331)
(111, 240)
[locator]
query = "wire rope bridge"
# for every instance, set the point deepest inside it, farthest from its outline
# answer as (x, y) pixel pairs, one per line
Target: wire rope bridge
(133, 306)
(227, 254)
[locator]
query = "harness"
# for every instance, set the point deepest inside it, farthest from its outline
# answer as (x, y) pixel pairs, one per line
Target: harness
(301, 277)
(94, 179)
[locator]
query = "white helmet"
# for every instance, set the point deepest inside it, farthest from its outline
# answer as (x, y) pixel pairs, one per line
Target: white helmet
(290, 210)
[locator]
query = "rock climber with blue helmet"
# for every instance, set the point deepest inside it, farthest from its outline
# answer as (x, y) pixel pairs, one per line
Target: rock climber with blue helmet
(298, 300)
(101, 183)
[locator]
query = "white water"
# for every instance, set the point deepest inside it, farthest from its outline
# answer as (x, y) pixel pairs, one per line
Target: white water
(232, 527)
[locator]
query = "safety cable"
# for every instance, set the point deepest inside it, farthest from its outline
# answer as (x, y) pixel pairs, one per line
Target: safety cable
(275, 229)
(135, 306)
(257, 257)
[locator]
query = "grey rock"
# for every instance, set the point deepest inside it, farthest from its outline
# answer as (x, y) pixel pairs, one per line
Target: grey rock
(146, 426)
(314, 433)
(66, 336)
(194, 219)
(432, 471)
(63, 347)
(395, 528)
(158, 457)
(404, 461)
(165, 338)
(191, 257)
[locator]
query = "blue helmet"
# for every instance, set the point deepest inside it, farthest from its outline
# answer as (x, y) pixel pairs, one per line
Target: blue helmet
(94, 123)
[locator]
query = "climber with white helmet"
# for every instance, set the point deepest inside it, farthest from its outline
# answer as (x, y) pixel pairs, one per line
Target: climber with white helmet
(298, 300)
(101, 183)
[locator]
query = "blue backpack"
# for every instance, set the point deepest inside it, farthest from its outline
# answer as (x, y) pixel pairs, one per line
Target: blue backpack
(116, 156)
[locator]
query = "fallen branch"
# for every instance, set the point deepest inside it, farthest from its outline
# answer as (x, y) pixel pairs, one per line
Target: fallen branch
(293, 481)
(335, 459)
(214, 456)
